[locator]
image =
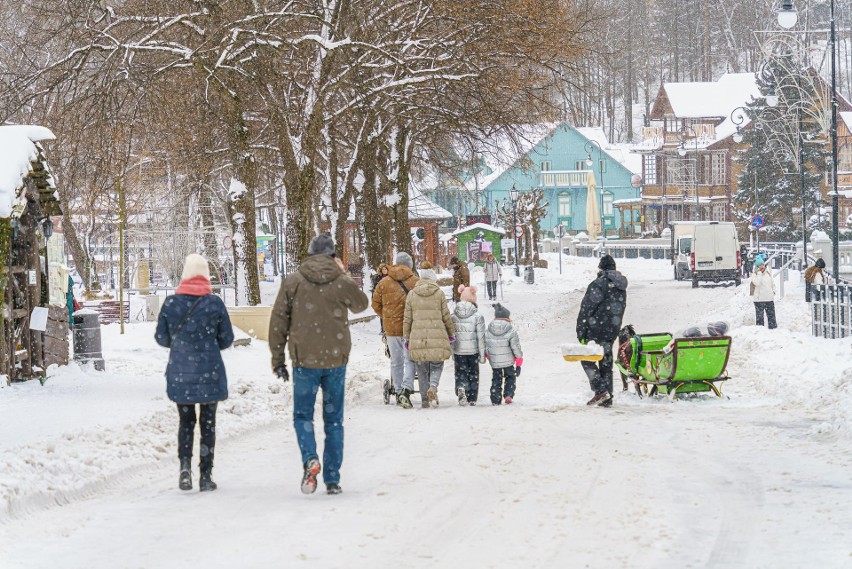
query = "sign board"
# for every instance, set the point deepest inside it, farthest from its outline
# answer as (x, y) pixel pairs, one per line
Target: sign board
(507, 243)
(38, 319)
(478, 218)
(227, 242)
(519, 231)
(757, 222)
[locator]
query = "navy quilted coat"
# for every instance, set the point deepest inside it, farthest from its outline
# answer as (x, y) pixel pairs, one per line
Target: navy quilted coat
(196, 372)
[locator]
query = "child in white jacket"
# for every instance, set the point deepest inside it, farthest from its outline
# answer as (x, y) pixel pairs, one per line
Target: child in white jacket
(503, 350)
(763, 293)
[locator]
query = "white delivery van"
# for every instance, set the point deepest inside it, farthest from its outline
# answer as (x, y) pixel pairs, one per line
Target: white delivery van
(715, 253)
(706, 251)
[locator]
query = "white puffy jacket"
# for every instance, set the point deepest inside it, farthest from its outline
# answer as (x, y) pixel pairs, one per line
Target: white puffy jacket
(470, 330)
(764, 286)
(502, 344)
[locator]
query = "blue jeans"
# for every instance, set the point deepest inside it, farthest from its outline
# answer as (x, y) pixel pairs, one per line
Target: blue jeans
(306, 383)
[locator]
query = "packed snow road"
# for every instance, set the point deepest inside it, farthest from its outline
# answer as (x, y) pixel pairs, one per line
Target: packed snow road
(758, 480)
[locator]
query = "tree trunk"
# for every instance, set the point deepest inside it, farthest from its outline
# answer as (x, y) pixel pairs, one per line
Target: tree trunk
(402, 225)
(241, 204)
(82, 260)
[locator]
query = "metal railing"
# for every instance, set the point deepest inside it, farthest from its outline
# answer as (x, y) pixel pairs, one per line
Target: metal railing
(831, 310)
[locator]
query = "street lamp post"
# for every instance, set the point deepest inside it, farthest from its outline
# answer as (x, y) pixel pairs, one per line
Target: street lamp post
(588, 148)
(787, 18)
(513, 195)
(683, 136)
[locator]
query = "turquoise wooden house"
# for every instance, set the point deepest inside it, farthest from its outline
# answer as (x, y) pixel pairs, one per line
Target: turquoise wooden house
(477, 240)
(563, 161)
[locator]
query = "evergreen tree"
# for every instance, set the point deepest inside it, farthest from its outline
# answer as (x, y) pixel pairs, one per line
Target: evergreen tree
(769, 183)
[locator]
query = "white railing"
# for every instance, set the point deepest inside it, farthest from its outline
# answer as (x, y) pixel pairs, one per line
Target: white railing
(564, 178)
(831, 310)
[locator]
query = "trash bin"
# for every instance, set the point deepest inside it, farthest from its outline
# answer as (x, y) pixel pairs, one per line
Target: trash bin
(87, 338)
(529, 275)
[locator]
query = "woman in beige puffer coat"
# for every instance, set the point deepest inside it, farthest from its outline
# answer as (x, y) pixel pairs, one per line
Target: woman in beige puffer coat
(428, 331)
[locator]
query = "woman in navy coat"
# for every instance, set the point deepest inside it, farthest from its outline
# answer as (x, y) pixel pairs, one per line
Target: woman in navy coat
(195, 325)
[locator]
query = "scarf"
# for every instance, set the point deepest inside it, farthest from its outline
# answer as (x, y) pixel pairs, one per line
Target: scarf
(195, 286)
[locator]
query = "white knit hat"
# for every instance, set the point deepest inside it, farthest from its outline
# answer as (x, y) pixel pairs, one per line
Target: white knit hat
(195, 265)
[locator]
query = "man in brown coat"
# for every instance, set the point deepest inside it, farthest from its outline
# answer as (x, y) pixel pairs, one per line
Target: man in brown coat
(461, 276)
(311, 313)
(389, 305)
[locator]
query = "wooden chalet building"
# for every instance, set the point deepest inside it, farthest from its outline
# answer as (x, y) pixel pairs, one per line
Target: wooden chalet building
(687, 151)
(33, 279)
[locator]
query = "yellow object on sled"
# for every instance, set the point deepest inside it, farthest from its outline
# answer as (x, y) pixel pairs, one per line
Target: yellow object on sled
(582, 357)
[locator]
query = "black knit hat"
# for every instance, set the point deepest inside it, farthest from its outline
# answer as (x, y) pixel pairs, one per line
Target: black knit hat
(607, 263)
(322, 244)
(501, 311)
(820, 264)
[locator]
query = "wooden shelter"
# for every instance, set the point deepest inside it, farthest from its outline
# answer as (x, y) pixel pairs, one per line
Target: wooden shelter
(476, 241)
(34, 329)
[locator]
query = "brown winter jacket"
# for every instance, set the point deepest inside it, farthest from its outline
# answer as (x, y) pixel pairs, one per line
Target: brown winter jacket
(428, 325)
(312, 312)
(389, 298)
(461, 275)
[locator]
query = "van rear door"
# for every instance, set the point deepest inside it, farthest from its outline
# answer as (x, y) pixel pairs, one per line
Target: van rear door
(704, 247)
(726, 247)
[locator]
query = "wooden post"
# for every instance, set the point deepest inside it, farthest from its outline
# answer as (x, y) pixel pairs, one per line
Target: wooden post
(121, 217)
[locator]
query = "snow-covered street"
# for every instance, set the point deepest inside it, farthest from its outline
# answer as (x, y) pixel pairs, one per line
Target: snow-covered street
(88, 466)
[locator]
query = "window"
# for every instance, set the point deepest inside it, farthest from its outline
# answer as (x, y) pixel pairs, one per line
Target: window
(606, 197)
(718, 212)
(546, 166)
(714, 169)
(564, 205)
(844, 158)
(602, 166)
(672, 124)
(581, 165)
(649, 169)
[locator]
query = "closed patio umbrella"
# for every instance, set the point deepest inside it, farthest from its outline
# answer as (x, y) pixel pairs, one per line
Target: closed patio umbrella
(593, 214)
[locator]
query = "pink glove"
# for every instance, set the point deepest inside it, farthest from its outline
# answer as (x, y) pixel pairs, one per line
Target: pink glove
(452, 339)
(405, 345)
(519, 362)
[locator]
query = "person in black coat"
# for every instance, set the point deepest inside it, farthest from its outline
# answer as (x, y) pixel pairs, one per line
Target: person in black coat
(195, 325)
(600, 320)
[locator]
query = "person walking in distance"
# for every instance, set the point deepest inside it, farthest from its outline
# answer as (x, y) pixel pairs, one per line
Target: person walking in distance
(503, 350)
(469, 347)
(600, 317)
(195, 326)
(763, 293)
(428, 331)
(461, 276)
(389, 305)
(493, 273)
(311, 314)
(814, 277)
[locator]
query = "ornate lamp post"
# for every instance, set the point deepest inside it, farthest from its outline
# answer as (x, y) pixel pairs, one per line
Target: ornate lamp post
(787, 18)
(683, 136)
(588, 148)
(513, 195)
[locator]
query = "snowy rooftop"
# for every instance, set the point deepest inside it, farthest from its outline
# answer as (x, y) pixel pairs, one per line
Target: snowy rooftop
(712, 98)
(618, 152)
(484, 226)
(846, 117)
(421, 207)
(17, 152)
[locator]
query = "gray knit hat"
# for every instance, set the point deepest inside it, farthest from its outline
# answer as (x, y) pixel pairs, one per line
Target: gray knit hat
(322, 244)
(501, 311)
(403, 258)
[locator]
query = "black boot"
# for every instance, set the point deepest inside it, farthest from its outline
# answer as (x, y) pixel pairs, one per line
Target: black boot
(185, 482)
(404, 398)
(206, 484)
